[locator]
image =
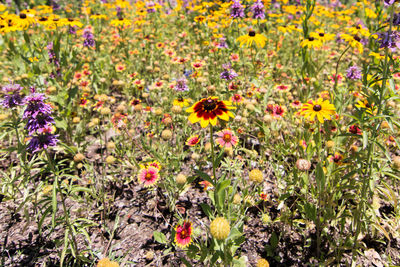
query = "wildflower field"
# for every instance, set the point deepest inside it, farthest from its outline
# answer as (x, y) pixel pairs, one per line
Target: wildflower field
(199, 133)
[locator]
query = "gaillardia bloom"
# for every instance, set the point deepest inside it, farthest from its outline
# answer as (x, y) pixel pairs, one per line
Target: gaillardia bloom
(226, 138)
(321, 108)
(208, 110)
(193, 140)
(183, 235)
(148, 176)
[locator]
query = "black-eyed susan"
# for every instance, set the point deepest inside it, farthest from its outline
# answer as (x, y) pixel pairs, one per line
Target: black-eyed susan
(311, 42)
(208, 110)
(353, 41)
(321, 109)
(182, 102)
(322, 36)
(252, 37)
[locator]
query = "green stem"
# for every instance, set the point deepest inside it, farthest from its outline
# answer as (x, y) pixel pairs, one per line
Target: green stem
(213, 154)
(337, 67)
(58, 185)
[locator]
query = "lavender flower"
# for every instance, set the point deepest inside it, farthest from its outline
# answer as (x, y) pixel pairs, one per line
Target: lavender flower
(181, 85)
(222, 43)
(228, 73)
(150, 7)
(258, 10)
(12, 96)
(396, 19)
(35, 106)
(353, 73)
(43, 140)
(389, 40)
(72, 30)
(187, 72)
(53, 59)
(119, 12)
(237, 10)
(52, 55)
(40, 121)
(388, 2)
(89, 38)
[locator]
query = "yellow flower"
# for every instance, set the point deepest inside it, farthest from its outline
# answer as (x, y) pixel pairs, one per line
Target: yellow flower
(322, 36)
(208, 110)
(376, 55)
(182, 102)
(370, 13)
(251, 37)
(353, 41)
(121, 21)
(311, 42)
(321, 109)
(369, 108)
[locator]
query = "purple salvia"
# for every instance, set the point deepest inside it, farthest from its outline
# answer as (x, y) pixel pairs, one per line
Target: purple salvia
(12, 96)
(237, 10)
(353, 73)
(258, 10)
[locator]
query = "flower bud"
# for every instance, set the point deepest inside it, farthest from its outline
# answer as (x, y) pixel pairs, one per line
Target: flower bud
(181, 179)
(256, 175)
(303, 164)
(330, 144)
(220, 228)
(262, 263)
(166, 134)
(110, 160)
(396, 162)
(79, 157)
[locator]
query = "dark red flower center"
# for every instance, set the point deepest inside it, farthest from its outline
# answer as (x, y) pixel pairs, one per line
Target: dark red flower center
(252, 33)
(227, 138)
(321, 34)
(22, 16)
(317, 108)
(310, 39)
(148, 176)
(209, 105)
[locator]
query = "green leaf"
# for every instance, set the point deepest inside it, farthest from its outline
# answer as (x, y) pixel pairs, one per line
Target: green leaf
(235, 233)
(60, 123)
(186, 262)
(204, 176)
(214, 259)
(311, 211)
(66, 243)
(160, 237)
(274, 240)
(241, 262)
(54, 202)
(207, 210)
(26, 37)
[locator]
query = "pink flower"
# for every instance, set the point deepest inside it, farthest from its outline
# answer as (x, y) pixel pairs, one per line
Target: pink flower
(237, 99)
(148, 176)
(226, 138)
(183, 235)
